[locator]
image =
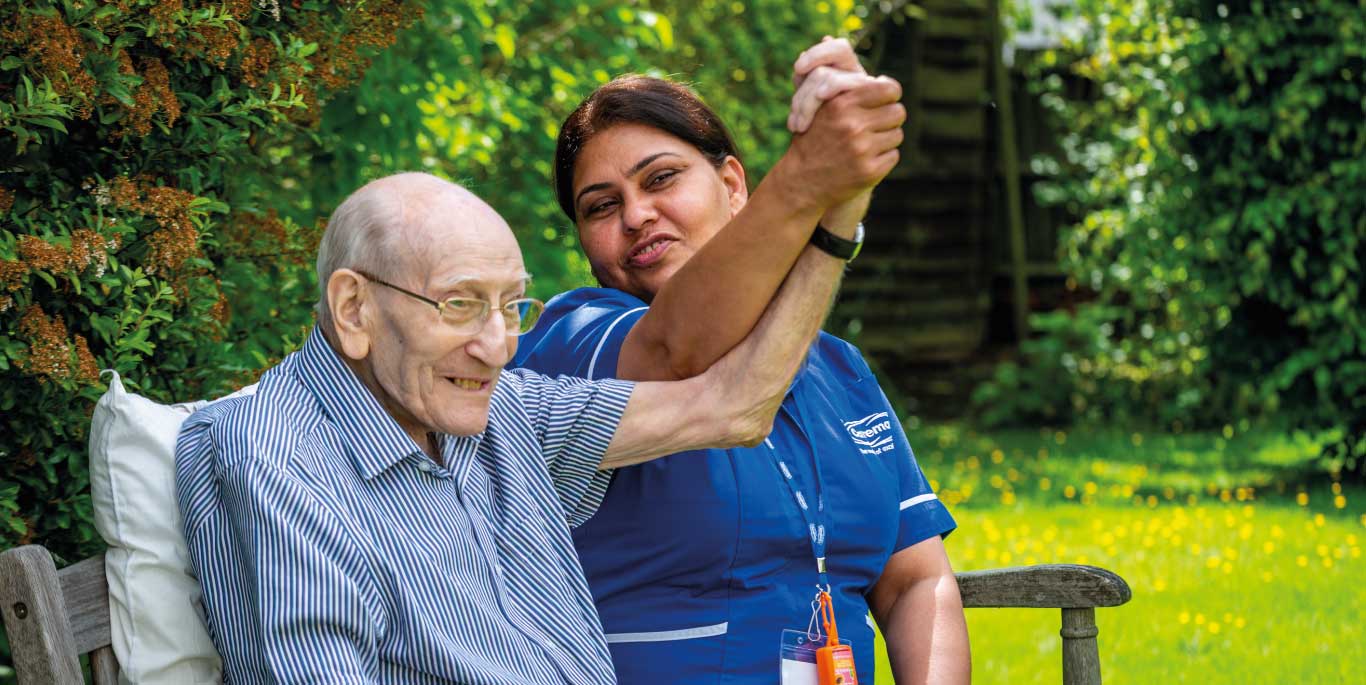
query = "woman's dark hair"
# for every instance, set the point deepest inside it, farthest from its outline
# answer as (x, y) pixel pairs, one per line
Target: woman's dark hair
(654, 102)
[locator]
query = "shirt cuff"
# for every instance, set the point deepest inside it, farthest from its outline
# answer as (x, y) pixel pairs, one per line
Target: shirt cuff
(582, 486)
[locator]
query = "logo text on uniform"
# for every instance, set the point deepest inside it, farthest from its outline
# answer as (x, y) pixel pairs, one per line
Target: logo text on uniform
(872, 434)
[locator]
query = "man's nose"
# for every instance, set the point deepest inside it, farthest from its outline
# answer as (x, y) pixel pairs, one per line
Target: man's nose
(490, 344)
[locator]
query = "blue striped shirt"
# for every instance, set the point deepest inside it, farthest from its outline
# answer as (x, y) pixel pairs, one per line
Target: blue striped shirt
(331, 549)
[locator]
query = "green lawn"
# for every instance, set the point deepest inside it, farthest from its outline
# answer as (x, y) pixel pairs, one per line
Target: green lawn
(1245, 561)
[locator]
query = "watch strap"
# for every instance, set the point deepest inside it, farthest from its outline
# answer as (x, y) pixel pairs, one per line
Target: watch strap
(835, 246)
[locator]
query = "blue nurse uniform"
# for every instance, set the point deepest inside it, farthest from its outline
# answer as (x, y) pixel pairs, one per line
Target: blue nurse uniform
(699, 560)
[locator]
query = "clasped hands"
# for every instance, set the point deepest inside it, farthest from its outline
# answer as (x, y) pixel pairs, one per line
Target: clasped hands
(846, 129)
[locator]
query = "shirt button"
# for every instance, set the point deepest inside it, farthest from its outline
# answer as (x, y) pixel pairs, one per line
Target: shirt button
(425, 467)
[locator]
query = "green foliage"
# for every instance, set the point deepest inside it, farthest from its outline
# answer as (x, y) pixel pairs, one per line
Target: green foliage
(166, 167)
(1221, 171)
(1103, 364)
(476, 93)
(142, 147)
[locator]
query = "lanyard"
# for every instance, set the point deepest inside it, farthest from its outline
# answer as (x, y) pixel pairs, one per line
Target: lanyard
(814, 517)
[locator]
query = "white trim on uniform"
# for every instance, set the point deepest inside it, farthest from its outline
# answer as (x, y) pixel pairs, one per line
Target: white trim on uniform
(593, 363)
(670, 635)
(918, 499)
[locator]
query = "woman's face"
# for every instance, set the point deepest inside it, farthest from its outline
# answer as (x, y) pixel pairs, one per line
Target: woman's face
(646, 201)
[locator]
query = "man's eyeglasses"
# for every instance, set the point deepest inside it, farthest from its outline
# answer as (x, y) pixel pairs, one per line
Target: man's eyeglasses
(468, 315)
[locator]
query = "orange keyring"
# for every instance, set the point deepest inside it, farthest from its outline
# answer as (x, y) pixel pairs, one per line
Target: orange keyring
(828, 619)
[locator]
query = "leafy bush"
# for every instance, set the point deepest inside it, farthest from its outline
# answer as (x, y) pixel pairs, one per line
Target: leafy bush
(166, 165)
(1095, 366)
(142, 143)
(1221, 175)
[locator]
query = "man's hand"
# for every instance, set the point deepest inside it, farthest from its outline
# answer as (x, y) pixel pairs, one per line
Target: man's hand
(834, 94)
(821, 72)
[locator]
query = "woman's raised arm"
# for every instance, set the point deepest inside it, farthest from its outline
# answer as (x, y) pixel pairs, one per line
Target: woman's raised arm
(713, 301)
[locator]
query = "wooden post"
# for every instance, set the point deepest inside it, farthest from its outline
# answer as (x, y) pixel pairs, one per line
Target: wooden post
(1009, 158)
(1080, 653)
(40, 637)
(104, 666)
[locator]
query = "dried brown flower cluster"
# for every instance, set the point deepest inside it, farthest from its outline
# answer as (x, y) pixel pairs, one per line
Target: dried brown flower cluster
(52, 355)
(175, 240)
(6, 199)
(35, 254)
(256, 60)
(164, 14)
(238, 9)
(339, 62)
(12, 274)
(123, 193)
(87, 247)
(255, 234)
(58, 49)
(216, 44)
(154, 95)
(220, 312)
(374, 26)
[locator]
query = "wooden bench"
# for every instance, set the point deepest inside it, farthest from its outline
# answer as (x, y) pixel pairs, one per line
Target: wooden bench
(53, 617)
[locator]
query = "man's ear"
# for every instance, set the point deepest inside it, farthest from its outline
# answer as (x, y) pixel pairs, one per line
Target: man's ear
(737, 189)
(348, 302)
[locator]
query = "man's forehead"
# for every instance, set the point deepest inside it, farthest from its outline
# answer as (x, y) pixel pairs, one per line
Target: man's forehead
(459, 239)
(474, 281)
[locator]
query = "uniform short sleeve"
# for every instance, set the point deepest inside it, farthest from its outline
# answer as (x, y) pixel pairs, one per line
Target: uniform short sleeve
(580, 334)
(922, 515)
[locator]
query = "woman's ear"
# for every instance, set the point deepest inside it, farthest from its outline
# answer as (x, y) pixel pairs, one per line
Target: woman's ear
(737, 188)
(348, 303)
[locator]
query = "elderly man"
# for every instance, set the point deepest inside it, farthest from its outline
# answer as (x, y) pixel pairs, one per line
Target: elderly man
(390, 506)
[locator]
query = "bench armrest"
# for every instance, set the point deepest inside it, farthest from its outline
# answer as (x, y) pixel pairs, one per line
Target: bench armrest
(1056, 586)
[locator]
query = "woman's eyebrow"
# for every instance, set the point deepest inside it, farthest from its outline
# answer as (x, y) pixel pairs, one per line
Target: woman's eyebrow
(629, 172)
(646, 162)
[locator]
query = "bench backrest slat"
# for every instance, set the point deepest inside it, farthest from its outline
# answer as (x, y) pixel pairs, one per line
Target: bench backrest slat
(86, 594)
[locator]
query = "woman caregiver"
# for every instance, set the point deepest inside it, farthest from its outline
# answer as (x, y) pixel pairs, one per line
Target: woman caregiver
(706, 566)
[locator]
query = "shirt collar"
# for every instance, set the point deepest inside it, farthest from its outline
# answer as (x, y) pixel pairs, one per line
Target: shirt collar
(374, 439)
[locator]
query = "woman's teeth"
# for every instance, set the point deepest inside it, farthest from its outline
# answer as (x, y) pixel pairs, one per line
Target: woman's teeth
(650, 249)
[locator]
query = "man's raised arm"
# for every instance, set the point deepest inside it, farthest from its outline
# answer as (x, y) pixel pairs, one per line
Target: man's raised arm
(733, 402)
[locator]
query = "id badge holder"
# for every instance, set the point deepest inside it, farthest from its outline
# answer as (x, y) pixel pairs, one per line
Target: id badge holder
(797, 657)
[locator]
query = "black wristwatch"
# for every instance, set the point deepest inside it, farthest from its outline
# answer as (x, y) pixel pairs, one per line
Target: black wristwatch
(836, 246)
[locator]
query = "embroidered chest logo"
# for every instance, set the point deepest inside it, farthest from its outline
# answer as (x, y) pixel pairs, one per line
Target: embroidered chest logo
(872, 434)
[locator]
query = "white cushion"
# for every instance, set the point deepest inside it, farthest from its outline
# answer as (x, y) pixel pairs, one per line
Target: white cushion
(156, 618)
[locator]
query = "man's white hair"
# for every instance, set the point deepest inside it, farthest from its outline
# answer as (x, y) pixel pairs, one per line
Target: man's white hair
(362, 232)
